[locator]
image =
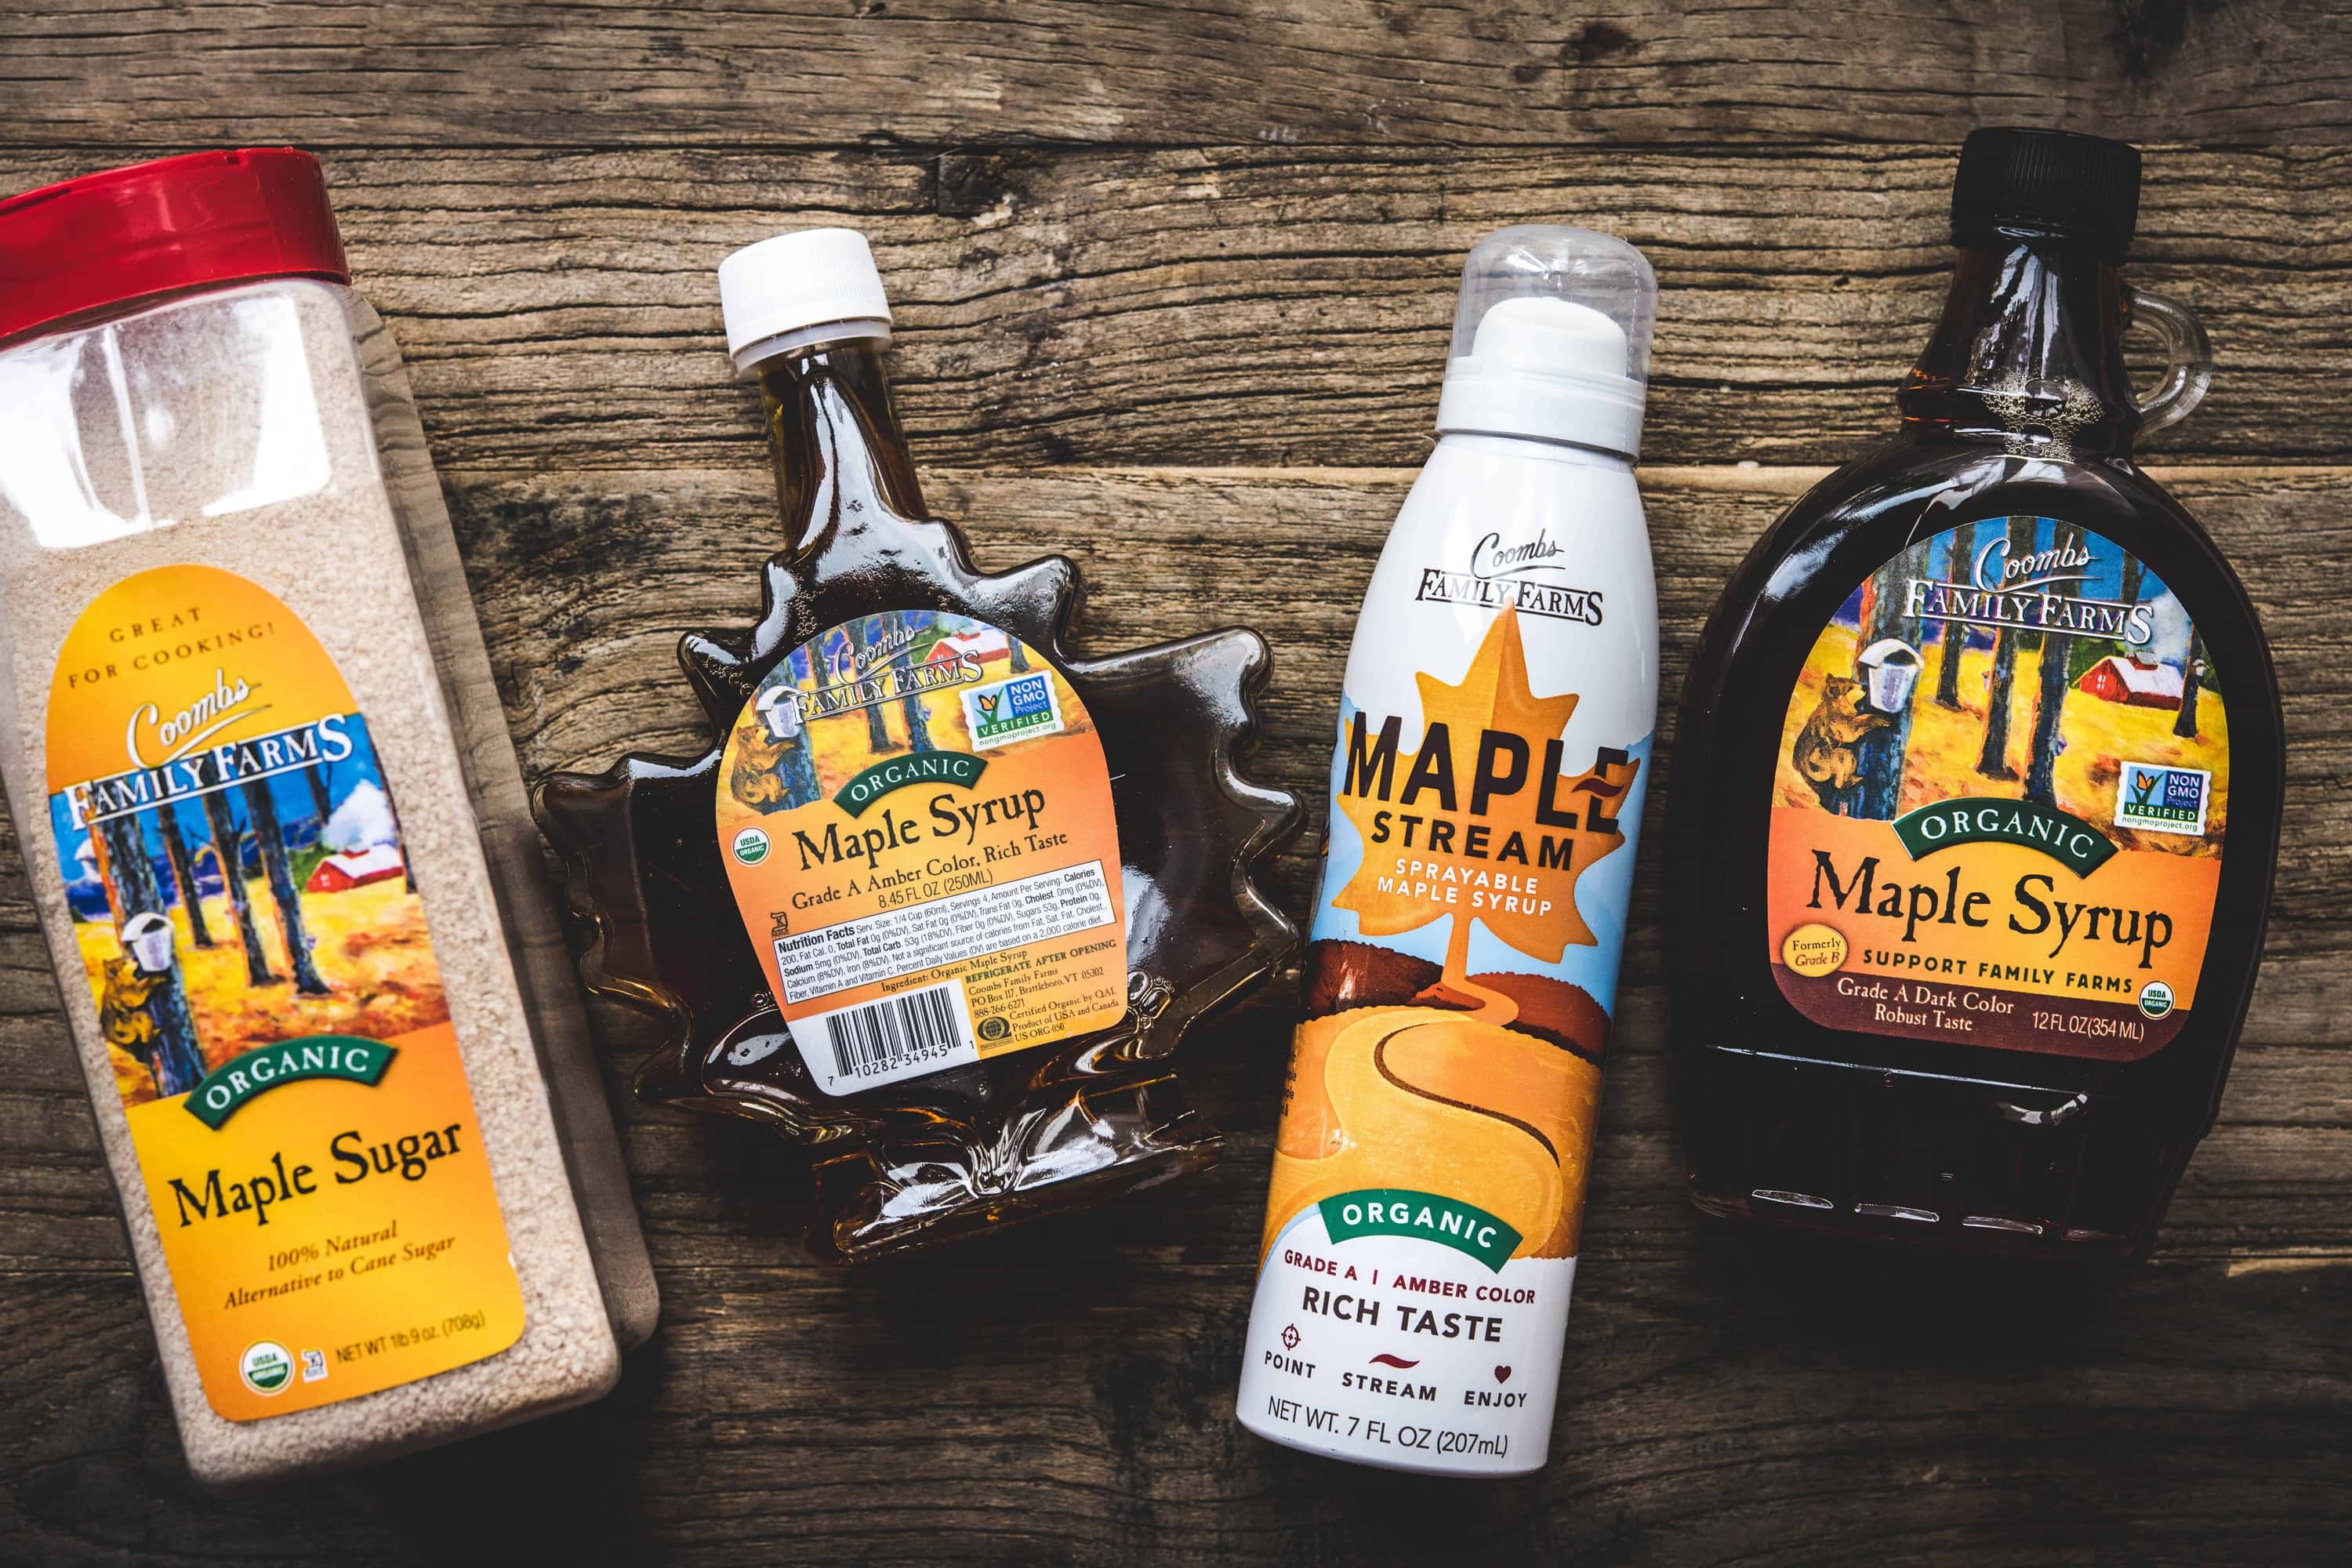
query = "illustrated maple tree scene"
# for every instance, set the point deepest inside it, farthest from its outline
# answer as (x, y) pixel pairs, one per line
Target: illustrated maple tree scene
(1992, 711)
(812, 760)
(290, 910)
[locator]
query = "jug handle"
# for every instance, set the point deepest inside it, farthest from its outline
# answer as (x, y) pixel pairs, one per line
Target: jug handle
(2188, 354)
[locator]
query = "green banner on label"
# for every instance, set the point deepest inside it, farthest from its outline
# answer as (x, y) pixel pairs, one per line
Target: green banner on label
(896, 772)
(234, 1082)
(1977, 819)
(1399, 1211)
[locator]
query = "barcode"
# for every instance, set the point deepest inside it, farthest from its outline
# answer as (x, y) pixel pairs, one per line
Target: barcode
(897, 1032)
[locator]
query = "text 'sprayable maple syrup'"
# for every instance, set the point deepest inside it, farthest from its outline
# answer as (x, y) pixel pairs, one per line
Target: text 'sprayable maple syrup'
(1493, 753)
(1977, 781)
(941, 898)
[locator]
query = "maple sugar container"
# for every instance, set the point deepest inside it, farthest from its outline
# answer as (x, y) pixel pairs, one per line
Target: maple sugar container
(277, 840)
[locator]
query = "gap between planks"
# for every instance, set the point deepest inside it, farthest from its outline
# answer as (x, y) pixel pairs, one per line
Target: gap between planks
(1793, 478)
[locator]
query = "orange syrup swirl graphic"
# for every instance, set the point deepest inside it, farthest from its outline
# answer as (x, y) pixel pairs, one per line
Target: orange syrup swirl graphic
(1442, 1095)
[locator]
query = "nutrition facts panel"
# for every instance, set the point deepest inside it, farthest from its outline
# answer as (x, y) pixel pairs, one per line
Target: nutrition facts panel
(837, 958)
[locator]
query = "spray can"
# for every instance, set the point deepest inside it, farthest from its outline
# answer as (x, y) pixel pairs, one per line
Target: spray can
(1486, 792)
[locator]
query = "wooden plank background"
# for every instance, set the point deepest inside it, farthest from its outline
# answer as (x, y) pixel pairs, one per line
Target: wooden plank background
(1173, 282)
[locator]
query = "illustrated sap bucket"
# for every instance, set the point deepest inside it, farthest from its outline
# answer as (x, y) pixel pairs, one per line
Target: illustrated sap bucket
(1889, 669)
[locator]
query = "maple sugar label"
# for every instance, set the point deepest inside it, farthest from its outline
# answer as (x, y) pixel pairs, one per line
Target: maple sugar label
(2001, 800)
(265, 984)
(916, 818)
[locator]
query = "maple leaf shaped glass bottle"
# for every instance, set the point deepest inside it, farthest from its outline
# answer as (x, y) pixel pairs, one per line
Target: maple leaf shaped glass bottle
(1977, 781)
(941, 898)
(1493, 755)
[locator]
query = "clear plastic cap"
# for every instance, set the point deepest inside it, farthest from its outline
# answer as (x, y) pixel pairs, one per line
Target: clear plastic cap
(1551, 339)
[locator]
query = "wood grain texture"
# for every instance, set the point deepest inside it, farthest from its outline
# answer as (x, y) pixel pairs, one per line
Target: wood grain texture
(1173, 284)
(1066, 1393)
(1216, 307)
(843, 72)
(1726, 1409)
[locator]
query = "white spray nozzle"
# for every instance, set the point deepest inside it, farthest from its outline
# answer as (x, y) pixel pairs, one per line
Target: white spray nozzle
(1538, 331)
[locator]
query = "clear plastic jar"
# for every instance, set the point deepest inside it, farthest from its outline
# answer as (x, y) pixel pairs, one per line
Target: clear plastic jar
(288, 877)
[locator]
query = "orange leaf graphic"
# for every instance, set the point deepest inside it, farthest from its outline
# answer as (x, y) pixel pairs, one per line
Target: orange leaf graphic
(1477, 821)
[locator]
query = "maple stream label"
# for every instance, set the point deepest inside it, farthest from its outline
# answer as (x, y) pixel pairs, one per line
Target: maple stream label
(919, 836)
(2001, 799)
(1429, 1176)
(266, 985)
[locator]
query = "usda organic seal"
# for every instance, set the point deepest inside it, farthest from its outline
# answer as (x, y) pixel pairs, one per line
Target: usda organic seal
(750, 847)
(265, 1367)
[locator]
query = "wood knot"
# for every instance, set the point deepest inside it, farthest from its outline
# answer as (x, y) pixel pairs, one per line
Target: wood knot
(969, 184)
(1598, 41)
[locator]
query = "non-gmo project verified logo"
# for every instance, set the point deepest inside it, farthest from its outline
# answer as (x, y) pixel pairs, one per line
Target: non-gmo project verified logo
(2161, 799)
(1012, 711)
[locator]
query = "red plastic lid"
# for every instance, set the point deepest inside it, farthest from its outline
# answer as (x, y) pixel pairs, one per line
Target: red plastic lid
(177, 223)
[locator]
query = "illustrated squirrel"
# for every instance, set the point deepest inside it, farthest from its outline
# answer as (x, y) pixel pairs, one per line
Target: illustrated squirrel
(1824, 751)
(123, 1016)
(774, 770)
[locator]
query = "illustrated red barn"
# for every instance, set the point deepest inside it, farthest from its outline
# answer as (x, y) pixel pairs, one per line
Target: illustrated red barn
(355, 868)
(2116, 679)
(982, 645)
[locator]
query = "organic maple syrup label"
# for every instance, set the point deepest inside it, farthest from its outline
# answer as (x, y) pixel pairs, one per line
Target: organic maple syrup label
(265, 980)
(916, 818)
(2001, 800)
(1430, 1171)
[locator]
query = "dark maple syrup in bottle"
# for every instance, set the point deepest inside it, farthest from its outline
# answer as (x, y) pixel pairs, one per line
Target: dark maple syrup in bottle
(941, 898)
(1978, 782)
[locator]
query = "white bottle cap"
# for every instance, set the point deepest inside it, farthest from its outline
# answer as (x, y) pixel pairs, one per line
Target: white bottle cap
(806, 287)
(1551, 339)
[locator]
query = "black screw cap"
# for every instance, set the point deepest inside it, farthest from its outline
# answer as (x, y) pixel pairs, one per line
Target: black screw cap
(2062, 184)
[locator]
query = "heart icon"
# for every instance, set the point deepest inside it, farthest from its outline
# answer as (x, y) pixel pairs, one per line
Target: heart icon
(1502, 1374)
